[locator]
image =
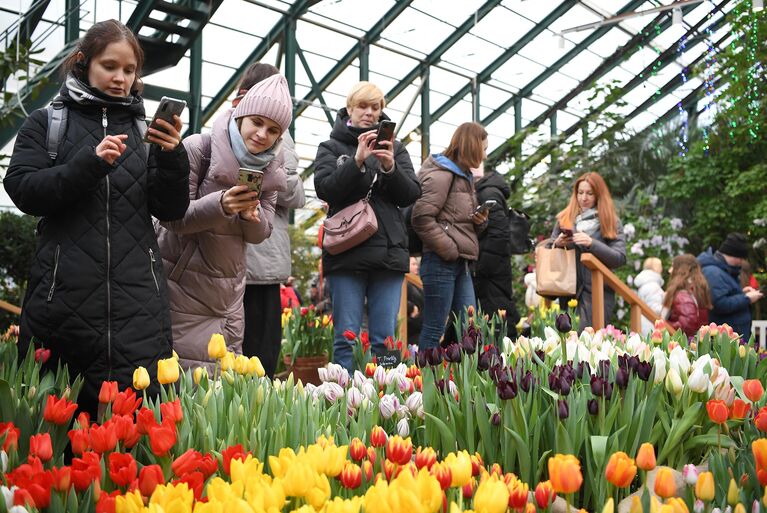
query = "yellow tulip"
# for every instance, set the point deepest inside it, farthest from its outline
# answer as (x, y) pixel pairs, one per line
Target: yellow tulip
(216, 346)
(704, 487)
(339, 505)
(492, 496)
(677, 505)
(665, 486)
(428, 490)
(131, 502)
(219, 490)
(739, 508)
(173, 497)
(733, 492)
(572, 303)
(610, 504)
(241, 364)
(198, 374)
(167, 371)
(140, 378)
(227, 362)
(320, 492)
(636, 504)
(255, 367)
(174, 354)
(460, 466)
(299, 479)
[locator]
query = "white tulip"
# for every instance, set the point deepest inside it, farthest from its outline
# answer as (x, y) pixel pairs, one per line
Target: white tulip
(403, 412)
(674, 383)
(678, 360)
(4, 461)
(359, 379)
(690, 474)
(659, 365)
(698, 381)
(414, 401)
(403, 383)
(388, 405)
(332, 391)
(508, 345)
(354, 397)
(380, 375)
(8, 495)
(369, 389)
(18, 509)
(403, 428)
(323, 374)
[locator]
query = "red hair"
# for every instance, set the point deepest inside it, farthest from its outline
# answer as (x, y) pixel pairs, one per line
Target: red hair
(608, 220)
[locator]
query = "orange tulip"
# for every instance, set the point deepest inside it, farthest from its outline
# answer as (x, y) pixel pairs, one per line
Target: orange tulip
(399, 450)
(377, 436)
(425, 457)
(759, 448)
(753, 389)
(565, 473)
(108, 392)
(665, 486)
(544, 494)
(760, 422)
(717, 411)
(646, 457)
(357, 449)
(351, 476)
(441, 471)
(620, 470)
(739, 409)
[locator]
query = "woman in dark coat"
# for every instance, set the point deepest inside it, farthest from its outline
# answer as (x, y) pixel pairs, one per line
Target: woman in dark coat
(492, 274)
(97, 296)
(345, 168)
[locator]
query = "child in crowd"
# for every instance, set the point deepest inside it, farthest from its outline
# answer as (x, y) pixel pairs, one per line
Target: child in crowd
(96, 296)
(688, 299)
(204, 253)
(649, 284)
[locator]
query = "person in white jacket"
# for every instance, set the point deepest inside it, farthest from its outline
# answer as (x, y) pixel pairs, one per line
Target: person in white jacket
(649, 284)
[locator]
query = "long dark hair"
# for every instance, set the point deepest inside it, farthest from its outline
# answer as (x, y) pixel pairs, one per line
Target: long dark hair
(95, 41)
(687, 275)
(255, 73)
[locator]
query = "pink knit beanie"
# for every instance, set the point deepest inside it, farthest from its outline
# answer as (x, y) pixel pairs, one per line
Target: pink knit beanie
(269, 98)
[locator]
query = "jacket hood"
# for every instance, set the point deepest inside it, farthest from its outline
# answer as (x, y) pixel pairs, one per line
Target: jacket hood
(346, 133)
(712, 258)
(647, 276)
(135, 108)
(494, 179)
(448, 165)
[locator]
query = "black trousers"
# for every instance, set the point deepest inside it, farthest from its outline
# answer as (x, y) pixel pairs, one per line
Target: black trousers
(263, 329)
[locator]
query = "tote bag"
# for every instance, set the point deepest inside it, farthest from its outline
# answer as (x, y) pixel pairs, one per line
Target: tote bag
(555, 271)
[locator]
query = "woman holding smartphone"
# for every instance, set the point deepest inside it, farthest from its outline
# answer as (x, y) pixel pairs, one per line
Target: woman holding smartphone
(204, 253)
(590, 224)
(96, 296)
(447, 219)
(347, 166)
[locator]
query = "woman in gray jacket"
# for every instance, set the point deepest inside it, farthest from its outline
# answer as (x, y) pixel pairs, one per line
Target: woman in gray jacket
(589, 223)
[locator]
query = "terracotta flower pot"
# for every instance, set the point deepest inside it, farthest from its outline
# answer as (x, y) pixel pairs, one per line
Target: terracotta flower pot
(305, 367)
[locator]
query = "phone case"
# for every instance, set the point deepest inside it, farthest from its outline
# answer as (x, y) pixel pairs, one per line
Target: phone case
(252, 178)
(167, 108)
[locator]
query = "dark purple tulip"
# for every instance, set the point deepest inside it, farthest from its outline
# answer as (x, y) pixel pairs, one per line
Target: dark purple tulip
(540, 354)
(441, 385)
(564, 324)
(526, 383)
(497, 373)
(597, 386)
(604, 368)
(633, 363)
(434, 356)
(564, 386)
(608, 388)
(495, 420)
(622, 378)
(554, 382)
(623, 361)
(583, 367)
(507, 390)
(420, 358)
(563, 410)
(453, 353)
(643, 370)
(470, 340)
(593, 406)
(488, 359)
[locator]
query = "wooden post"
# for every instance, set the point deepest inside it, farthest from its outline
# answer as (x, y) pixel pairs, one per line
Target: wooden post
(403, 313)
(9, 307)
(636, 319)
(597, 300)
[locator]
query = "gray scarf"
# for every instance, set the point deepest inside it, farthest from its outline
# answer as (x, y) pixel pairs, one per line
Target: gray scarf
(587, 222)
(83, 94)
(245, 157)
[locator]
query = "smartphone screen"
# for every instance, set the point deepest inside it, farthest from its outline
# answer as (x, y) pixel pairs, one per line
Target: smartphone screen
(385, 133)
(252, 178)
(166, 110)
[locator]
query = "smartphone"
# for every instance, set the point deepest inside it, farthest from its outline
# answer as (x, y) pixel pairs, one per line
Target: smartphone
(253, 178)
(385, 133)
(486, 206)
(166, 110)
(567, 232)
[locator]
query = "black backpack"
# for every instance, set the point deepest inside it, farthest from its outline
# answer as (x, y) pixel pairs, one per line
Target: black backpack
(414, 242)
(519, 232)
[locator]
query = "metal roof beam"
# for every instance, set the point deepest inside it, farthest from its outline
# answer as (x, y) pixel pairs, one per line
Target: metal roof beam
(257, 54)
(372, 35)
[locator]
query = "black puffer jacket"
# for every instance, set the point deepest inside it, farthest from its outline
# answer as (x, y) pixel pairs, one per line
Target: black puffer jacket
(96, 294)
(492, 275)
(339, 181)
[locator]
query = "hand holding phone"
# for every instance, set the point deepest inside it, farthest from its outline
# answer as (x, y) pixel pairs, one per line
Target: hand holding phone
(385, 133)
(567, 232)
(253, 178)
(485, 207)
(159, 132)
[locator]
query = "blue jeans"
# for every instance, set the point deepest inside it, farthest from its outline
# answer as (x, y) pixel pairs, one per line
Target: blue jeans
(447, 287)
(348, 291)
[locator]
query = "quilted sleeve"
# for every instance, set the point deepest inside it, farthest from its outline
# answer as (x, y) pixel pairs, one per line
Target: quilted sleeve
(168, 177)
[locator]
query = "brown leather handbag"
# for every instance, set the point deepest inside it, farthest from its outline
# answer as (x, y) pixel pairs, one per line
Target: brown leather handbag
(350, 226)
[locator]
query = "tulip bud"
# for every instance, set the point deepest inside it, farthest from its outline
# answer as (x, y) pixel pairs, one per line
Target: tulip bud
(733, 493)
(742, 351)
(564, 323)
(403, 428)
(198, 374)
(690, 474)
(207, 397)
(674, 382)
(699, 506)
(216, 346)
(228, 376)
(704, 488)
(260, 395)
(495, 419)
(609, 506)
(140, 378)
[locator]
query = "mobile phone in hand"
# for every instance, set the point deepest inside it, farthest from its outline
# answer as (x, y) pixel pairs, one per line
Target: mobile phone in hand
(486, 206)
(385, 133)
(567, 232)
(253, 178)
(166, 110)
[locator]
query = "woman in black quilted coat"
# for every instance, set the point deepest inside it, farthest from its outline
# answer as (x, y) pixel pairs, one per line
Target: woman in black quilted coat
(96, 294)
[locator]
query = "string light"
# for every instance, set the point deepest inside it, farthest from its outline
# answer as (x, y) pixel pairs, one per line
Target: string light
(684, 116)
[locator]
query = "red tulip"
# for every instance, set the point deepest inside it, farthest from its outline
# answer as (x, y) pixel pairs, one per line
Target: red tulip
(148, 479)
(145, 420)
(122, 468)
(208, 465)
(126, 402)
(40, 446)
(107, 502)
(79, 441)
(194, 481)
(377, 436)
(162, 438)
(351, 476)
(108, 392)
(234, 452)
(172, 410)
(83, 420)
(85, 470)
(62, 478)
(441, 471)
(717, 411)
(349, 335)
(123, 425)
(425, 457)
(186, 463)
(739, 409)
(11, 436)
(42, 355)
(760, 422)
(58, 411)
(103, 438)
(753, 389)
(544, 494)
(399, 450)
(357, 449)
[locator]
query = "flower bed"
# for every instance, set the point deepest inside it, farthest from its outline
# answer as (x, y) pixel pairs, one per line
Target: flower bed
(387, 439)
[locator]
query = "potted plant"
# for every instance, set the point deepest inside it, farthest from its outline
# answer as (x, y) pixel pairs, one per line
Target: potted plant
(308, 342)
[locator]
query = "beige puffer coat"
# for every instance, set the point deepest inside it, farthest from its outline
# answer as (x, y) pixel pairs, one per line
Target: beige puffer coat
(204, 253)
(442, 215)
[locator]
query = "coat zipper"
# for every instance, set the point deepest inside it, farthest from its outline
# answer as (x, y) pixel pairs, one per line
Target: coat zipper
(104, 124)
(55, 271)
(151, 267)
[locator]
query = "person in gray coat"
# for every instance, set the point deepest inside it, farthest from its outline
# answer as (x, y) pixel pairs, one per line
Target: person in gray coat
(268, 263)
(590, 224)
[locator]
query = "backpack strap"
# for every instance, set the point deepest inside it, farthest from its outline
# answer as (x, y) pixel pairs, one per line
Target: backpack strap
(57, 126)
(204, 160)
(142, 127)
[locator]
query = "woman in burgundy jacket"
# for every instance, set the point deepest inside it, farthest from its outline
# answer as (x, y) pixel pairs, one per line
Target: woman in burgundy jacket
(688, 298)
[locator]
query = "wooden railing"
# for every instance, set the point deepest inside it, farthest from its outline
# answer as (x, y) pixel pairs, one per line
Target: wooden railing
(9, 307)
(402, 317)
(601, 275)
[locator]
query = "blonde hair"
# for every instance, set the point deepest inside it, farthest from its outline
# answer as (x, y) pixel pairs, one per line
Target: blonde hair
(654, 264)
(365, 92)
